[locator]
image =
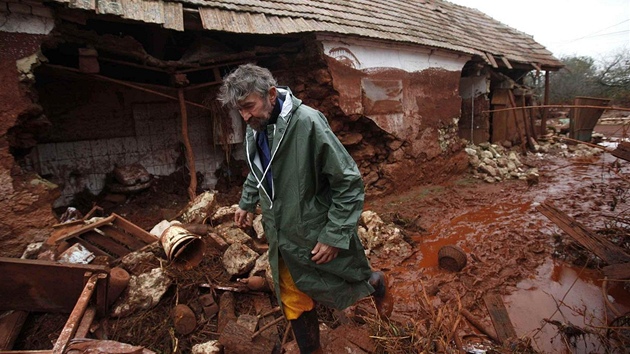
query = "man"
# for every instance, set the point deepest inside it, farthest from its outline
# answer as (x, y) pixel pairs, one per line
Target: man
(311, 194)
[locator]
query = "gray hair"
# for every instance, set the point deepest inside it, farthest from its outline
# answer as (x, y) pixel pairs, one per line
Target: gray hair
(245, 80)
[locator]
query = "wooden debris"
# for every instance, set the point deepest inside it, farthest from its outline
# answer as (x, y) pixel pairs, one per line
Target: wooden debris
(619, 271)
(622, 151)
(10, 326)
(500, 318)
(601, 247)
(480, 326)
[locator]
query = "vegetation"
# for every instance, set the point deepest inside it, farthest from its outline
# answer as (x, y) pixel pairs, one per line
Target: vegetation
(583, 76)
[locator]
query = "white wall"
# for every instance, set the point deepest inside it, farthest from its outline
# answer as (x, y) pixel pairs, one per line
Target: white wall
(156, 146)
(473, 86)
(368, 54)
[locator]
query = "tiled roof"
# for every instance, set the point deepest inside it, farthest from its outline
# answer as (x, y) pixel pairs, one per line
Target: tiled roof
(432, 23)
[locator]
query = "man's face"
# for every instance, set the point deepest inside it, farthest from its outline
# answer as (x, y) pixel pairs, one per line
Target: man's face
(256, 110)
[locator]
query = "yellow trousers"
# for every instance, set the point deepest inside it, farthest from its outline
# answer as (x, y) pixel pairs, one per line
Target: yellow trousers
(293, 300)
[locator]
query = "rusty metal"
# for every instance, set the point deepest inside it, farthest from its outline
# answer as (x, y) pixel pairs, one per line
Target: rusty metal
(75, 316)
(43, 286)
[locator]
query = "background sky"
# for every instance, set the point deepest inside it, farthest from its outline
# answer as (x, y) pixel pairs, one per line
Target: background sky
(597, 29)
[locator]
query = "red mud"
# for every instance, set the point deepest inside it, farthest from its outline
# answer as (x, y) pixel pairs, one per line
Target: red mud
(511, 245)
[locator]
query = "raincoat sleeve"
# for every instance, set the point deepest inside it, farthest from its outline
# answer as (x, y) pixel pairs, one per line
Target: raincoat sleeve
(346, 186)
(249, 195)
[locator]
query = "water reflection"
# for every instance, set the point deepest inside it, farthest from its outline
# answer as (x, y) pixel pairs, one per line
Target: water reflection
(568, 295)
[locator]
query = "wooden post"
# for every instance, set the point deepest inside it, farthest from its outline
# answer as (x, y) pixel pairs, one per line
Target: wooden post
(543, 122)
(518, 126)
(190, 157)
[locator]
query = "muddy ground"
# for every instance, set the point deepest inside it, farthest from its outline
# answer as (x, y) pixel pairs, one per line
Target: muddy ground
(550, 286)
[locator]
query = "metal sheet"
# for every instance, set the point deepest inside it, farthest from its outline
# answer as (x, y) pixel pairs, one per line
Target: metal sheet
(31, 285)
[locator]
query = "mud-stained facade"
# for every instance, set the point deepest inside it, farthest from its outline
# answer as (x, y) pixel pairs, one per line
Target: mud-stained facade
(26, 198)
(84, 94)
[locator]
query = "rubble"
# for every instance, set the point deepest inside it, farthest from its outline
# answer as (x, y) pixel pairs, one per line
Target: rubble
(494, 163)
(378, 237)
(201, 208)
(239, 259)
(144, 292)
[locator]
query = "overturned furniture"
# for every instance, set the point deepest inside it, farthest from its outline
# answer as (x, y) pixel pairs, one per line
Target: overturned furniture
(43, 286)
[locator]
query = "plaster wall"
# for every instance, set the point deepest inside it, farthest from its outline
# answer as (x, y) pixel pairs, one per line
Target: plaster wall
(24, 197)
(411, 95)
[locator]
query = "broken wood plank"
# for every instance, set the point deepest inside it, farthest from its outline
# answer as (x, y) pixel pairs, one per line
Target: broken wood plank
(622, 151)
(10, 327)
(480, 326)
(72, 324)
(500, 318)
(105, 243)
(134, 229)
(76, 232)
(86, 322)
(124, 238)
(619, 271)
(601, 247)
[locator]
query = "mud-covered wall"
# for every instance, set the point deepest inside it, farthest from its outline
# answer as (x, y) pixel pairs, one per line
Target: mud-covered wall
(401, 127)
(25, 199)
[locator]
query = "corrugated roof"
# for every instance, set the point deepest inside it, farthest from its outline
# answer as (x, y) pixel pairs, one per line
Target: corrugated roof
(432, 23)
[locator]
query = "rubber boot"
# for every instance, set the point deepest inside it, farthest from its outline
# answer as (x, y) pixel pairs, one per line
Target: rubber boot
(382, 295)
(306, 332)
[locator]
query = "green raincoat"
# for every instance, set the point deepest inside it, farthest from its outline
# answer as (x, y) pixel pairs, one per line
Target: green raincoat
(317, 196)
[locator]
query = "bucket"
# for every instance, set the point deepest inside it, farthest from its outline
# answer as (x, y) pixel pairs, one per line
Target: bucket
(182, 248)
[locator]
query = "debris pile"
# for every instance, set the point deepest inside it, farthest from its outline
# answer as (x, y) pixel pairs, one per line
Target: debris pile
(494, 163)
(163, 295)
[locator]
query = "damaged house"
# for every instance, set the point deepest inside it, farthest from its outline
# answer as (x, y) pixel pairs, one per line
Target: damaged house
(89, 86)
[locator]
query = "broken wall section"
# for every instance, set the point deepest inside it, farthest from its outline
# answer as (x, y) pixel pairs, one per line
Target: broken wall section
(98, 126)
(26, 198)
(401, 108)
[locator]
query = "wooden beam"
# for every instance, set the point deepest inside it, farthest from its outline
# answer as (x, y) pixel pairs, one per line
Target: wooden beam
(190, 157)
(500, 318)
(601, 247)
(491, 60)
(506, 62)
(134, 86)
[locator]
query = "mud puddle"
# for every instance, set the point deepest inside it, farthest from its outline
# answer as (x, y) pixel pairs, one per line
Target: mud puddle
(561, 296)
(510, 248)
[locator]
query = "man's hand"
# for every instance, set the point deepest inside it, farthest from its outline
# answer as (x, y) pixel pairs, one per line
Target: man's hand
(323, 253)
(242, 218)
